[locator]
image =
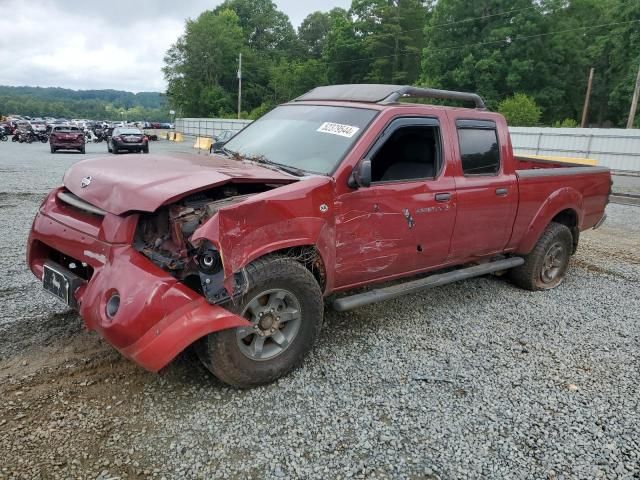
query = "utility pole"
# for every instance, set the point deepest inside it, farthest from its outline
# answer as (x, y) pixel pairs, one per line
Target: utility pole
(585, 110)
(239, 84)
(634, 101)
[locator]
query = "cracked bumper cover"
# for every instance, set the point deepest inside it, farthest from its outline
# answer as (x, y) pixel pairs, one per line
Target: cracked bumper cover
(158, 316)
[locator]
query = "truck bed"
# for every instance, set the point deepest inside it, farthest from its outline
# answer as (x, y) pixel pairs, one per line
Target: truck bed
(535, 162)
(542, 182)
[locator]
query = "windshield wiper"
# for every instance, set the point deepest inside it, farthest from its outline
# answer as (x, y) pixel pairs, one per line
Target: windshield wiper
(298, 172)
(226, 152)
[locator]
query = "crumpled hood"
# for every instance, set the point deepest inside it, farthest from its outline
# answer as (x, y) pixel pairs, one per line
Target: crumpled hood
(123, 183)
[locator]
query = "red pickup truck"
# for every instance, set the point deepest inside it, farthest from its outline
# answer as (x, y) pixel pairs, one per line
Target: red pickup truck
(342, 188)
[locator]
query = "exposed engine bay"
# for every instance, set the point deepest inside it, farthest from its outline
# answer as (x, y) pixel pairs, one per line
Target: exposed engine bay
(164, 238)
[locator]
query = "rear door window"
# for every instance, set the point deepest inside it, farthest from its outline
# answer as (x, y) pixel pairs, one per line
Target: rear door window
(479, 147)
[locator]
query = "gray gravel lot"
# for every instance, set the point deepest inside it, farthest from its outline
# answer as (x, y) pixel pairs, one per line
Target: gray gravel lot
(472, 380)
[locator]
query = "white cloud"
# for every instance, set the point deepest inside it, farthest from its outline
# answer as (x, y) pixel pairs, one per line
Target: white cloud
(118, 45)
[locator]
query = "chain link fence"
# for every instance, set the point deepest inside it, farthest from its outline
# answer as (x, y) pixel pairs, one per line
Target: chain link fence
(208, 127)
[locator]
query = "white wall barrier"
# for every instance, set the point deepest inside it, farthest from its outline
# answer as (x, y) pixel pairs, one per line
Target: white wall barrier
(615, 148)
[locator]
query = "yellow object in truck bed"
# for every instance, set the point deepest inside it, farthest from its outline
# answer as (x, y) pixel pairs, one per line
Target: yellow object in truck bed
(576, 161)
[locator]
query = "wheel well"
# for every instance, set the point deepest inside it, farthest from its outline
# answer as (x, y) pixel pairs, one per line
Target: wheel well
(569, 217)
(308, 256)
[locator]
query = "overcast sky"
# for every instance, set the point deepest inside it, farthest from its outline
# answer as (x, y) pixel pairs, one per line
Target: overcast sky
(115, 44)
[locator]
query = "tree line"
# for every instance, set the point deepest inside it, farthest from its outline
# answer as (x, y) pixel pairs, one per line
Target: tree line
(518, 54)
(89, 104)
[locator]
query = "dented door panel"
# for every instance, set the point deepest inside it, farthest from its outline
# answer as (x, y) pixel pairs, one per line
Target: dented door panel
(386, 230)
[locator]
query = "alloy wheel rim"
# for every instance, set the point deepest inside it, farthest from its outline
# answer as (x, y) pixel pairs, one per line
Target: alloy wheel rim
(552, 263)
(276, 317)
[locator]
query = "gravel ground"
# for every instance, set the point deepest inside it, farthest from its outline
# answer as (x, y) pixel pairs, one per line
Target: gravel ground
(472, 380)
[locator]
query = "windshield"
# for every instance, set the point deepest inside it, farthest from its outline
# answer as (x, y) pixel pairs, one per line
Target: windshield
(312, 138)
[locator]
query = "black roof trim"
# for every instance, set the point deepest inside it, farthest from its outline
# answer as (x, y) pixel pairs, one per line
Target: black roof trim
(384, 94)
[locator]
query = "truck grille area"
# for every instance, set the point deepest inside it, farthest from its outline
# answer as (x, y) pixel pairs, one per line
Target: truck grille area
(75, 202)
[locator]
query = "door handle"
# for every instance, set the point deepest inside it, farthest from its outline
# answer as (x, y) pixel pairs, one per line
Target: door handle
(443, 197)
(502, 192)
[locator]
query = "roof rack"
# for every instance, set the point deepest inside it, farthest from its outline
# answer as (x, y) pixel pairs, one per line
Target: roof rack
(384, 94)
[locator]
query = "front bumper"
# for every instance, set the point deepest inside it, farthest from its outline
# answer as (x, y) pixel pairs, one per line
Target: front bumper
(68, 145)
(158, 316)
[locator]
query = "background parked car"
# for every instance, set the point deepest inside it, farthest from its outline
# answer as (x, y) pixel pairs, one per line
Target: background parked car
(129, 139)
(66, 137)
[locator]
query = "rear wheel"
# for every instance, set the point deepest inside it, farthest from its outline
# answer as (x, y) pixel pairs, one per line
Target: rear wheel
(546, 265)
(284, 305)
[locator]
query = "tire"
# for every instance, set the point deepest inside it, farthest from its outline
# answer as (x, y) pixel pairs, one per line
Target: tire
(114, 149)
(83, 149)
(145, 149)
(287, 286)
(53, 150)
(546, 265)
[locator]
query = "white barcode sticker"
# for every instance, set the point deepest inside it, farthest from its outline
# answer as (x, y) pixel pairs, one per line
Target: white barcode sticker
(338, 129)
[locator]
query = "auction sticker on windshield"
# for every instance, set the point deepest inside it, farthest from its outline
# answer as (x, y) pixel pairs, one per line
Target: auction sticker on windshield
(338, 129)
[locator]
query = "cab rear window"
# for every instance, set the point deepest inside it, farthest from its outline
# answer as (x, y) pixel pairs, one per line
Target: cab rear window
(479, 148)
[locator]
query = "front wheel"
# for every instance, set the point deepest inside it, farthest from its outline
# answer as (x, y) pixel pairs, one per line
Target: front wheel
(284, 305)
(546, 265)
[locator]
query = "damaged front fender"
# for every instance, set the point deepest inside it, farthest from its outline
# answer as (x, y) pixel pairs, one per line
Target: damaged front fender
(295, 215)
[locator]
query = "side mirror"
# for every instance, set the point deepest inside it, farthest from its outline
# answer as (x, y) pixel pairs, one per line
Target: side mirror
(361, 175)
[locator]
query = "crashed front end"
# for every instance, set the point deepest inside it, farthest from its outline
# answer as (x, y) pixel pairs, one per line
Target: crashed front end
(136, 278)
(166, 237)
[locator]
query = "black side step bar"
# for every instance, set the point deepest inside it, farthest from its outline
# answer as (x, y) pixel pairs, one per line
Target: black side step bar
(387, 293)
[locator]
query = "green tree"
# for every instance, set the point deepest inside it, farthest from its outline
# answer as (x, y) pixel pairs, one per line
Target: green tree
(520, 110)
(470, 46)
(615, 55)
(313, 33)
(289, 80)
(265, 28)
(199, 67)
(391, 33)
(343, 52)
(566, 123)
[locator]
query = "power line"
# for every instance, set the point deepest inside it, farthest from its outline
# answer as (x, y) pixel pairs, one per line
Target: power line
(507, 40)
(464, 20)
(376, 36)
